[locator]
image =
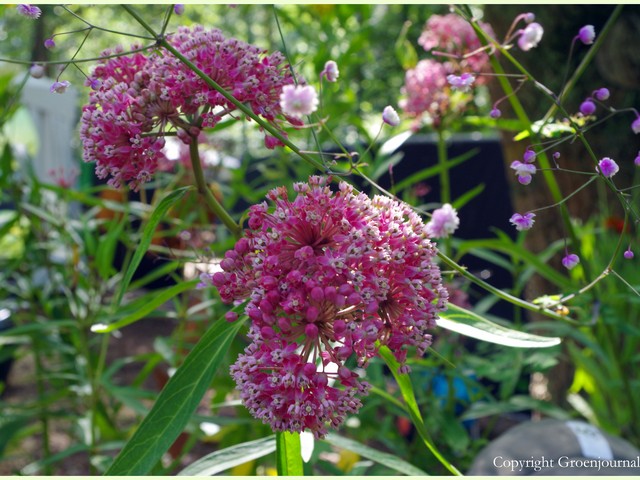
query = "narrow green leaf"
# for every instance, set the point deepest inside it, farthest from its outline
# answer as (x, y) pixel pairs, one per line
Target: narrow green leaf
(107, 247)
(158, 214)
(466, 197)
(288, 454)
(177, 402)
(406, 389)
(146, 308)
(472, 325)
(230, 457)
(383, 458)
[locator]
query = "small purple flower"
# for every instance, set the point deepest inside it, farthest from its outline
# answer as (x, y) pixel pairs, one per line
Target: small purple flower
(637, 160)
(529, 156)
(495, 113)
(635, 126)
(556, 155)
(601, 94)
(29, 11)
(522, 222)
(628, 254)
(587, 34)
(178, 9)
(608, 167)
(330, 71)
(60, 87)
(37, 71)
(587, 107)
(529, 17)
(390, 116)
(298, 100)
(524, 171)
(49, 44)
(461, 82)
(530, 36)
(570, 260)
(444, 221)
(95, 84)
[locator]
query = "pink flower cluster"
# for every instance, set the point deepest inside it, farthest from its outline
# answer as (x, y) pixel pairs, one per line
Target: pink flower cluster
(327, 276)
(453, 35)
(455, 43)
(140, 97)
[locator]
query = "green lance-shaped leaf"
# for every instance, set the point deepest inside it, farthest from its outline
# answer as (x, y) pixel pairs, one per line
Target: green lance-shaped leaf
(406, 389)
(147, 235)
(387, 459)
(288, 454)
(471, 324)
(177, 402)
(230, 457)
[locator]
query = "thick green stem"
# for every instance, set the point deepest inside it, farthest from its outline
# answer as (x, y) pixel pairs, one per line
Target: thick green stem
(205, 191)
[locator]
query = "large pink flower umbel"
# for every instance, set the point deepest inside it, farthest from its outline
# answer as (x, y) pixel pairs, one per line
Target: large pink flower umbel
(139, 97)
(328, 275)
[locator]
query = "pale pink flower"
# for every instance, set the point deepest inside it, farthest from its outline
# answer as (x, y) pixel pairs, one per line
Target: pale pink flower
(298, 100)
(444, 221)
(29, 11)
(530, 36)
(330, 71)
(390, 116)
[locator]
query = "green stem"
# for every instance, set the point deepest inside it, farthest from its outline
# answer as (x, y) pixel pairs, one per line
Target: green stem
(213, 84)
(445, 179)
(205, 191)
(501, 294)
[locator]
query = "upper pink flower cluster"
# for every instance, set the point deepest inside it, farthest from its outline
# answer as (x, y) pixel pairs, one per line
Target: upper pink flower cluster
(137, 98)
(326, 276)
(458, 51)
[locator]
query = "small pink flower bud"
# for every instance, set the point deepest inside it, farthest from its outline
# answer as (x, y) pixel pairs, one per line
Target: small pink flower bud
(570, 260)
(637, 160)
(59, 87)
(608, 167)
(231, 316)
(29, 11)
(587, 34)
(330, 71)
(495, 113)
(530, 36)
(635, 126)
(587, 107)
(178, 8)
(390, 116)
(36, 71)
(49, 43)
(529, 17)
(601, 94)
(628, 254)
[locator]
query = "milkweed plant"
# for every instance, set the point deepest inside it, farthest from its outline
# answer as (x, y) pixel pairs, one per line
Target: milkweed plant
(322, 276)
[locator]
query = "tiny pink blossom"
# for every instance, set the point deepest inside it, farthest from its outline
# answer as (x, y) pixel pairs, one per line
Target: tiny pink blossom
(298, 100)
(49, 43)
(60, 87)
(587, 34)
(635, 125)
(29, 11)
(601, 94)
(522, 222)
(628, 254)
(570, 260)
(495, 113)
(636, 161)
(37, 71)
(529, 17)
(524, 171)
(529, 156)
(330, 71)
(461, 82)
(608, 167)
(444, 221)
(587, 107)
(390, 116)
(178, 8)
(530, 36)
